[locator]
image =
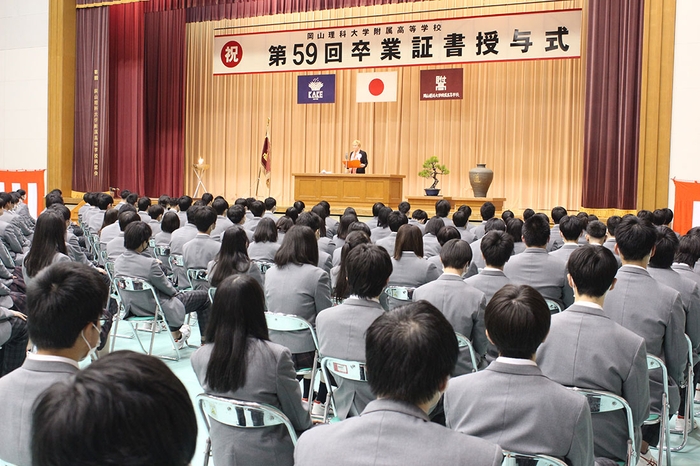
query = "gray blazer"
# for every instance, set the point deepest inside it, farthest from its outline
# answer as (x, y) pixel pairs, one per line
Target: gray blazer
(411, 271)
(565, 251)
(253, 271)
(341, 334)
(302, 290)
(263, 251)
(270, 379)
(178, 239)
(109, 232)
(431, 246)
(183, 217)
(687, 272)
(58, 257)
(199, 251)
(479, 230)
(131, 264)
(654, 312)
(521, 410)
(388, 242)
(326, 245)
(555, 239)
(463, 306)
(488, 281)
(325, 261)
(543, 272)
(115, 247)
(155, 226)
(378, 233)
(222, 223)
(251, 223)
(18, 391)
(467, 234)
(610, 244)
(690, 296)
(586, 349)
(392, 433)
(5, 315)
(163, 239)
(477, 257)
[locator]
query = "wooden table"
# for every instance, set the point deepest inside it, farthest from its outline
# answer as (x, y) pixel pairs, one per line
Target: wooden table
(427, 203)
(349, 190)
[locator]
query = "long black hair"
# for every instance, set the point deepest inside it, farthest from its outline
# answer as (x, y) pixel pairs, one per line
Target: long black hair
(49, 238)
(238, 314)
(232, 258)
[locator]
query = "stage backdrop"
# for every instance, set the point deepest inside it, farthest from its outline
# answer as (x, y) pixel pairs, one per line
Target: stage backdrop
(524, 119)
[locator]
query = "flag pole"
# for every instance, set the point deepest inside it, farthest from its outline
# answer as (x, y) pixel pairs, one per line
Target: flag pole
(267, 135)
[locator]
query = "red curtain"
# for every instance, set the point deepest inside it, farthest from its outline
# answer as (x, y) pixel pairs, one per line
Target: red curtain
(126, 96)
(613, 94)
(165, 61)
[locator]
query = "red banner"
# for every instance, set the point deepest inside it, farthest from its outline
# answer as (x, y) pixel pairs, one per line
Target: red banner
(687, 194)
(31, 181)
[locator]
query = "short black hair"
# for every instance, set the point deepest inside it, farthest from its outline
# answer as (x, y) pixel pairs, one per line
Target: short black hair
(155, 211)
(658, 217)
(164, 201)
(688, 250)
(376, 208)
(207, 198)
(570, 227)
(456, 254)
(136, 234)
(460, 219)
(668, 215)
(517, 320)
(410, 352)
(635, 237)
(299, 206)
(494, 224)
(396, 219)
(104, 201)
(558, 213)
(593, 269)
(292, 213)
(404, 207)
(313, 221)
(666, 247)
(612, 223)
(383, 217)
(646, 214)
(434, 225)
(236, 213)
(220, 205)
(127, 217)
(61, 300)
(170, 222)
(184, 203)
(257, 208)
(321, 210)
(419, 215)
(596, 229)
(204, 217)
(446, 234)
(466, 209)
(497, 247)
(270, 203)
(144, 203)
(527, 213)
(126, 392)
(132, 198)
(536, 231)
(488, 210)
(507, 215)
(52, 199)
(442, 208)
(368, 268)
(514, 227)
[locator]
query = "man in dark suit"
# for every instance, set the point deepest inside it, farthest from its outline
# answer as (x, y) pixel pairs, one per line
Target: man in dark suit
(411, 353)
(358, 154)
(64, 305)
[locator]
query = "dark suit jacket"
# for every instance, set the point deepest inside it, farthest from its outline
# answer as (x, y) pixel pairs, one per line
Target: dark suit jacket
(363, 160)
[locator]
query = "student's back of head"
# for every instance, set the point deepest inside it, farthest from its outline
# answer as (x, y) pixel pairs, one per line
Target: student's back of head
(127, 217)
(688, 250)
(460, 219)
(257, 208)
(270, 204)
(144, 203)
(170, 222)
(155, 211)
(204, 218)
(517, 320)
(136, 234)
(104, 201)
(236, 213)
(527, 213)
(487, 210)
(446, 234)
(442, 208)
(368, 268)
(494, 224)
(404, 208)
(612, 223)
(184, 203)
(420, 215)
(128, 393)
(558, 213)
(536, 231)
(376, 208)
(592, 270)
(514, 227)
(434, 225)
(455, 254)
(635, 238)
(596, 230)
(132, 199)
(411, 351)
(220, 205)
(570, 227)
(665, 248)
(396, 219)
(496, 247)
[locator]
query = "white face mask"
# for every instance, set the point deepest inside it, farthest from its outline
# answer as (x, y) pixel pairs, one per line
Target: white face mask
(91, 350)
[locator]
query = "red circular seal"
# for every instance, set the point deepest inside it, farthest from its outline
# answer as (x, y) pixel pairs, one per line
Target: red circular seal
(231, 54)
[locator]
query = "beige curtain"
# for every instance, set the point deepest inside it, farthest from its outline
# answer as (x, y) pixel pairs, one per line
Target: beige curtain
(523, 119)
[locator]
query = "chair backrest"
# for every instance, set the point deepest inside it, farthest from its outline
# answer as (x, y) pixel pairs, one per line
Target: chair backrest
(243, 414)
(464, 342)
(605, 402)
(195, 276)
(289, 323)
(520, 459)
(152, 242)
(263, 266)
(176, 260)
(352, 370)
(161, 251)
(211, 292)
(136, 285)
(402, 293)
(554, 306)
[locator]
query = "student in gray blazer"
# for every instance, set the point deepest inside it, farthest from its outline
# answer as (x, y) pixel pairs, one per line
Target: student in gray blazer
(395, 220)
(487, 211)
(411, 353)
(431, 245)
(651, 310)
(220, 205)
(511, 402)
(49, 245)
(496, 249)
(178, 239)
(232, 258)
(200, 250)
(460, 219)
(687, 256)
(555, 240)
(240, 362)
(462, 304)
(491, 224)
(265, 243)
(538, 269)
(570, 229)
(184, 204)
(341, 329)
(115, 247)
(64, 305)
(586, 349)
(382, 229)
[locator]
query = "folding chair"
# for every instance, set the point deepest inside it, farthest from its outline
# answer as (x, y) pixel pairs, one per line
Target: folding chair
(137, 285)
(291, 323)
(341, 368)
(197, 277)
(605, 402)
(463, 342)
(654, 363)
(554, 306)
(689, 396)
(395, 295)
(211, 293)
(521, 459)
(241, 414)
(177, 263)
(163, 255)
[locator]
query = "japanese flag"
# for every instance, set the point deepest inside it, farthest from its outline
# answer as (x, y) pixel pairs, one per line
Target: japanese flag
(376, 87)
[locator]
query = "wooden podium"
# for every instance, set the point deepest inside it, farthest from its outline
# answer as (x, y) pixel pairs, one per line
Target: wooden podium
(349, 190)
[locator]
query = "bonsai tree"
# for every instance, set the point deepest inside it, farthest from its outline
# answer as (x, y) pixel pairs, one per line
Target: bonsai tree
(431, 169)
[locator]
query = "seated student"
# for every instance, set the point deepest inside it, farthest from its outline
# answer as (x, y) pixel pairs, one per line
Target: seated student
(13, 335)
(442, 210)
(342, 232)
(169, 223)
(183, 204)
(395, 220)
(103, 202)
(488, 211)
(418, 219)
(130, 393)
(239, 361)
(461, 221)
(220, 205)
(511, 402)
(410, 354)
(461, 303)
(270, 208)
(116, 248)
(122, 202)
(507, 215)
(687, 257)
(409, 267)
(596, 233)
(299, 206)
(232, 258)
(376, 208)
(586, 349)
(178, 239)
(538, 269)
(82, 211)
(143, 204)
(109, 232)
(612, 224)
(584, 218)
(323, 210)
(514, 227)
(341, 329)
(264, 245)
(200, 250)
(555, 239)
(431, 245)
(339, 275)
(164, 202)
(175, 305)
(490, 225)
(496, 249)
(284, 223)
(313, 221)
(570, 229)
(48, 247)
(237, 214)
(257, 209)
(382, 229)
(651, 310)
(73, 249)
(155, 215)
(64, 305)
(10, 236)
(444, 235)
